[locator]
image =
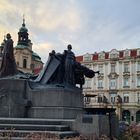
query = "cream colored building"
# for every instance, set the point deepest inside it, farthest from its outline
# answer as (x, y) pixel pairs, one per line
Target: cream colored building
(117, 85)
(26, 60)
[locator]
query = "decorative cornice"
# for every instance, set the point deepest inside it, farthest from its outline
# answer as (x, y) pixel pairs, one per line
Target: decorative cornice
(126, 74)
(101, 76)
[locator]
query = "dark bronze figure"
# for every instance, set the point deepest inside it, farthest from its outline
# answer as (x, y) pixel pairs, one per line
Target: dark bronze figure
(8, 66)
(64, 70)
(69, 76)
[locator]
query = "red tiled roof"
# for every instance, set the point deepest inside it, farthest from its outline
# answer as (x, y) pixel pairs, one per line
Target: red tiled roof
(95, 56)
(121, 54)
(133, 53)
(106, 55)
(37, 70)
(79, 58)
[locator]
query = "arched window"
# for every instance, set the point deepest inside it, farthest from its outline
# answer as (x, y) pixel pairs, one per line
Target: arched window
(138, 116)
(24, 63)
(126, 116)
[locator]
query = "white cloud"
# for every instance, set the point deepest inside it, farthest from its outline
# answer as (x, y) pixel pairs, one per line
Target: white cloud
(88, 26)
(43, 50)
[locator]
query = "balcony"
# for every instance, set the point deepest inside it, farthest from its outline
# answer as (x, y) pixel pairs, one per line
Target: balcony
(100, 87)
(126, 86)
(113, 88)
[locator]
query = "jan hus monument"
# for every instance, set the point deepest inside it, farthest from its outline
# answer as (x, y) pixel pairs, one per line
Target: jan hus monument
(53, 94)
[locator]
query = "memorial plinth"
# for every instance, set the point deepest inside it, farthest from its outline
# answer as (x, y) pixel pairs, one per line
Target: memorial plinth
(13, 97)
(56, 103)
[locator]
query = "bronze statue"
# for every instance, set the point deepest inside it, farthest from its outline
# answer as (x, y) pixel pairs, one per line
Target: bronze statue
(64, 70)
(8, 65)
(69, 67)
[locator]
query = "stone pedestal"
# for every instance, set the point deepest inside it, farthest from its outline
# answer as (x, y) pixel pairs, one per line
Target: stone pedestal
(12, 97)
(56, 103)
(91, 125)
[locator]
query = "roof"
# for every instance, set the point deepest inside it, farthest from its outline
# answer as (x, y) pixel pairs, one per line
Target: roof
(20, 46)
(23, 29)
(133, 53)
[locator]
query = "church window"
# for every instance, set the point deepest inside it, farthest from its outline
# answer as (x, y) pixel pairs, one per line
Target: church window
(24, 63)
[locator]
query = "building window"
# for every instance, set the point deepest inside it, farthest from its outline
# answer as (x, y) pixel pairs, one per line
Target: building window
(113, 55)
(87, 57)
(126, 115)
(126, 81)
(112, 84)
(101, 55)
(126, 97)
(100, 68)
(87, 100)
(126, 53)
(87, 83)
(113, 97)
(138, 81)
(100, 98)
(126, 67)
(24, 63)
(100, 83)
(138, 66)
(113, 66)
(138, 97)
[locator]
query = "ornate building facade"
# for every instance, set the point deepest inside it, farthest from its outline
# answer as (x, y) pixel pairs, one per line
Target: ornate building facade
(117, 85)
(26, 59)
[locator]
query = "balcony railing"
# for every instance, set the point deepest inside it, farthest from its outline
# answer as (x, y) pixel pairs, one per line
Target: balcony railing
(110, 104)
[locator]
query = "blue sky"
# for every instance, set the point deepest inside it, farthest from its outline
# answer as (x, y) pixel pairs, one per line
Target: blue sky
(89, 25)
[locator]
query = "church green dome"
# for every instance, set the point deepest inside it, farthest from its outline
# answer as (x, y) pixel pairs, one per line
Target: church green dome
(36, 57)
(23, 29)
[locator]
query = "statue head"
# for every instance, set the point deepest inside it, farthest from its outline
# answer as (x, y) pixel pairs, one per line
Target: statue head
(8, 36)
(69, 47)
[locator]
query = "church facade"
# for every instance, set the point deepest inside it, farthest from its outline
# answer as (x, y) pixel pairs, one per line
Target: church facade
(27, 60)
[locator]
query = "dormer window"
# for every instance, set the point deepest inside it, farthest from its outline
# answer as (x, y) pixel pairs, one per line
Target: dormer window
(138, 52)
(114, 54)
(102, 55)
(126, 53)
(87, 57)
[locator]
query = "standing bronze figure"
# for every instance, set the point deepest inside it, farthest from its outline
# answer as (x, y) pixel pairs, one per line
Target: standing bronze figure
(69, 67)
(8, 65)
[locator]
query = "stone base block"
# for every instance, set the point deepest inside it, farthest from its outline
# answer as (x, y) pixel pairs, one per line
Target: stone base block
(56, 103)
(12, 97)
(55, 112)
(90, 125)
